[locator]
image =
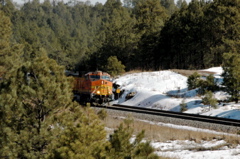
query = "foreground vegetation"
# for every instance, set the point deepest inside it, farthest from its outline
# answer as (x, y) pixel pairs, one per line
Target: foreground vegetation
(40, 120)
(39, 41)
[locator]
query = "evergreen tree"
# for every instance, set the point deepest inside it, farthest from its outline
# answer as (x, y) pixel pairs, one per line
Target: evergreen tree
(119, 38)
(222, 19)
(169, 5)
(164, 50)
(10, 53)
(80, 135)
(193, 81)
(29, 101)
(102, 114)
(181, 44)
(9, 60)
(5, 33)
(183, 106)
(208, 85)
(179, 3)
(39, 118)
(150, 16)
(195, 36)
(121, 147)
(209, 99)
(7, 7)
(114, 67)
(211, 84)
(232, 74)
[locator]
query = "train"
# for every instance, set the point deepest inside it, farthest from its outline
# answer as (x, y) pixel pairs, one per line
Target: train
(93, 87)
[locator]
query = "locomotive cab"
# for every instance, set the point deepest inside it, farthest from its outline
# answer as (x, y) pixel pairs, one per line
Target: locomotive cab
(95, 87)
(93, 76)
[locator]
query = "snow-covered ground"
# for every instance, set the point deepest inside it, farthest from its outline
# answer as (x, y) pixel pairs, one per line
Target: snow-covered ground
(191, 150)
(159, 89)
(166, 90)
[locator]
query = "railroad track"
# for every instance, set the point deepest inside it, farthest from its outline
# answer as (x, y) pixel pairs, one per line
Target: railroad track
(190, 117)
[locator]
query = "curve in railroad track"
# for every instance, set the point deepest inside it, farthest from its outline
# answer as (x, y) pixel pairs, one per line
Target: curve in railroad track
(178, 115)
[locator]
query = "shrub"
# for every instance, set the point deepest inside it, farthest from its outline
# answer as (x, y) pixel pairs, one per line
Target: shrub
(122, 147)
(209, 100)
(183, 106)
(193, 81)
(208, 85)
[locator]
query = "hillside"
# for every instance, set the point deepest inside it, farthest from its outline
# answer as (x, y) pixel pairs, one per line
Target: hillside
(166, 90)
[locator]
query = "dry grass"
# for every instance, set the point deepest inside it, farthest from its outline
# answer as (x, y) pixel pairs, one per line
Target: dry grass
(137, 71)
(202, 148)
(133, 71)
(165, 133)
(190, 72)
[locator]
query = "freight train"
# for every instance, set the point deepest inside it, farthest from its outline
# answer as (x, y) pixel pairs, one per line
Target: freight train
(93, 87)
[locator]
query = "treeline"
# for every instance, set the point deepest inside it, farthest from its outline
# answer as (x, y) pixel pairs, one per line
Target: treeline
(142, 34)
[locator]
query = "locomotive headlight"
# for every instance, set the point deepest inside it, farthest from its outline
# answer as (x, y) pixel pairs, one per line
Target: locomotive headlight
(98, 92)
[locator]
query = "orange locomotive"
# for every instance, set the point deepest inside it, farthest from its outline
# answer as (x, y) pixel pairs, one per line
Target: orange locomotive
(94, 87)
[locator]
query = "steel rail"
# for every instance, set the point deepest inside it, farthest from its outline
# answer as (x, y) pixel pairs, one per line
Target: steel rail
(195, 117)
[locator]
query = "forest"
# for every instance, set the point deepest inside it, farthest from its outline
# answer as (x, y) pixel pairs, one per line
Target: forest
(142, 34)
(40, 41)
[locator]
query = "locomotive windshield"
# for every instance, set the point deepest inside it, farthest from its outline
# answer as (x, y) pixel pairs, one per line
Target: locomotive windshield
(106, 77)
(95, 76)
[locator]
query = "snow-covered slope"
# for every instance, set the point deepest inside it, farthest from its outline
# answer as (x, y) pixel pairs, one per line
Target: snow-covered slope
(166, 90)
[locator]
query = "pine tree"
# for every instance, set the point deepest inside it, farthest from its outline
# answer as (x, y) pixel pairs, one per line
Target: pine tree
(119, 34)
(231, 75)
(121, 146)
(9, 60)
(169, 5)
(5, 33)
(222, 18)
(150, 16)
(7, 7)
(29, 100)
(80, 135)
(209, 99)
(193, 81)
(39, 118)
(9, 52)
(183, 106)
(207, 85)
(102, 114)
(114, 67)
(179, 3)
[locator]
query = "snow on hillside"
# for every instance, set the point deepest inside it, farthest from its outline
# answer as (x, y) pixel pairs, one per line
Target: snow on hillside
(166, 90)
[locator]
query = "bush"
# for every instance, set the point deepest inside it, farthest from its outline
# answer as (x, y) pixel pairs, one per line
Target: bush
(208, 85)
(183, 106)
(122, 147)
(193, 81)
(209, 100)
